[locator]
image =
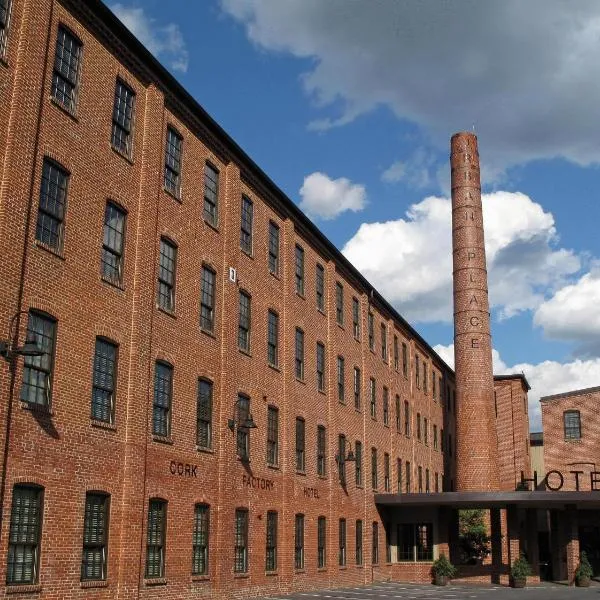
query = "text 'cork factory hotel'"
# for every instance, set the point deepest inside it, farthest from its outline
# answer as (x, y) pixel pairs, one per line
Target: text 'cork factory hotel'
(200, 396)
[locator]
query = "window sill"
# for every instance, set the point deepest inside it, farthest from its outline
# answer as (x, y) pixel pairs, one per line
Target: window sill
(274, 367)
(27, 588)
(125, 157)
(162, 439)
(321, 569)
(322, 392)
(205, 450)
(302, 296)
(245, 352)
(213, 226)
(299, 571)
(271, 573)
(342, 567)
(71, 114)
(99, 583)
(321, 311)
(340, 325)
(175, 196)
(273, 467)
(241, 575)
(302, 381)
(103, 425)
(199, 578)
(50, 249)
(114, 284)
(166, 311)
(323, 477)
(301, 472)
(156, 581)
(208, 332)
(276, 275)
(360, 566)
(38, 408)
(3, 61)
(249, 254)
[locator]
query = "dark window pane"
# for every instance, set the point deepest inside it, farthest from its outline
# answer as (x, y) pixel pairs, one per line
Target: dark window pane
(155, 540)
(66, 69)
(273, 338)
(321, 450)
(243, 433)
(53, 199)
(122, 118)
(211, 194)
(244, 322)
(273, 248)
(163, 387)
(200, 540)
(299, 367)
(37, 370)
(173, 147)
(103, 384)
(299, 542)
(300, 445)
(300, 270)
(166, 275)
(320, 287)
(95, 534)
(320, 367)
(246, 225)
(272, 435)
(240, 564)
(321, 542)
(207, 301)
(205, 392)
(271, 546)
(112, 243)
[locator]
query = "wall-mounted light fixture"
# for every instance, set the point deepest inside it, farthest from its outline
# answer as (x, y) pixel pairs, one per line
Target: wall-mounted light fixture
(9, 349)
(350, 457)
(240, 419)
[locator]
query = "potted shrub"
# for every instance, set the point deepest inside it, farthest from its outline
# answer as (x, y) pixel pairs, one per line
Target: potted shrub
(584, 572)
(519, 572)
(442, 570)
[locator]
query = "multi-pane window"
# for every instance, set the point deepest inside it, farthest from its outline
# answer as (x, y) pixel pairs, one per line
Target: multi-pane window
(386, 472)
(384, 354)
(435, 437)
(53, 201)
(340, 378)
(65, 76)
(407, 477)
(355, 318)
(427, 481)
(321, 442)
(418, 426)
(299, 542)
(104, 380)
(572, 421)
(433, 386)
(173, 149)
(424, 377)
(122, 124)
(155, 539)
(200, 539)
(272, 435)
(375, 540)
(417, 372)
(273, 248)
(404, 360)
(396, 355)
(406, 418)
(359, 542)
(358, 463)
(37, 372)
(4, 23)
(320, 367)
(166, 275)
(320, 286)
(204, 413)
(341, 458)
(426, 431)
(420, 478)
(244, 321)
(386, 406)
(24, 535)
(415, 542)
(373, 397)
(271, 546)
(113, 242)
(273, 338)
(246, 225)
(339, 303)
(211, 194)
(95, 537)
(356, 388)
(399, 475)
(321, 542)
(371, 324)
(207, 299)
(299, 270)
(374, 482)
(240, 555)
(299, 354)
(242, 432)
(398, 413)
(342, 543)
(163, 391)
(300, 444)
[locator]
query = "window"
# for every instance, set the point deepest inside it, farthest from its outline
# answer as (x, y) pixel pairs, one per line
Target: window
(272, 435)
(433, 386)
(440, 389)
(371, 332)
(386, 473)
(374, 482)
(243, 433)
(299, 542)
(300, 445)
(321, 450)
(246, 225)
(38, 370)
(384, 354)
(437, 482)
(415, 542)
(320, 287)
(240, 556)
(320, 367)
(273, 338)
(271, 550)
(112, 243)
(65, 77)
(341, 458)
(356, 388)
(424, 377)
(24, 535)
(211, 195)
(53, 200)
(572, 420)
(340, 378)
(204, 414)
(404, 360)
(426, 431)
(103, 381)
(386, 406)
(273, 248)
(375, 553)
(373, 396)
(359, 542)
(397, 413)
(407, 472)
(420, 478)
(399, 475)
(406, 418)
(166, 275)
(95, 537)
(173, 148)
(427, 481)
(435, 437)
(419, 426)
(155, 539)
(163, 390)
(244, 322)
(321, 542)
(396, 356)
(358, 463)
(299, 270)
(200, 539)
(339, 303)
(207, 300)
(122, 124)
(299, 354)
(355, 318)
(342, 539)
(4, 23)
(417, 372)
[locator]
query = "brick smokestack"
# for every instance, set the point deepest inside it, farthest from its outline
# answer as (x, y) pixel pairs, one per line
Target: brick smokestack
(476, 439)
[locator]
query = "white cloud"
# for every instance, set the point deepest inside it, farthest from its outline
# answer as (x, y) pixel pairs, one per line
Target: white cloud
(409, 260)
(164, 41)
(418, 171)
(327, 198)
(546, 378)
(455, 65)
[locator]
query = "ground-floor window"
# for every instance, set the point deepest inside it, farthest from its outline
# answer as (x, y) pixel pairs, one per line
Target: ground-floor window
(415, 542)
(271, 550)
(240, 564)
(299, 543)
(321, 542)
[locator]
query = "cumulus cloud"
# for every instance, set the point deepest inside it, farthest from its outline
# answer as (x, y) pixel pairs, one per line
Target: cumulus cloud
(409, 260)
(447, 66)
(546, 378)
(418, 171)
(327, 198)
(164, 41)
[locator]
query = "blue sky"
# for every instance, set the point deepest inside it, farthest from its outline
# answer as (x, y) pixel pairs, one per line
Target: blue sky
(349, 108)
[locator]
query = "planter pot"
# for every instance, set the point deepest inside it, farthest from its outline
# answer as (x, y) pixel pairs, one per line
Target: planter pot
(441, 580)
(518, 583)
(582, 582)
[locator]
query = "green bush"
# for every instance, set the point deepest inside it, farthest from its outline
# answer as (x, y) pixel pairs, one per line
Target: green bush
(473, 536)
(584, 570)
(442, 567)
(520, 568)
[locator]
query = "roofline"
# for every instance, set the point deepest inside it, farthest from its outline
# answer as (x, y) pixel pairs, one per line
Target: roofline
(579, 392)
(520, 376)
